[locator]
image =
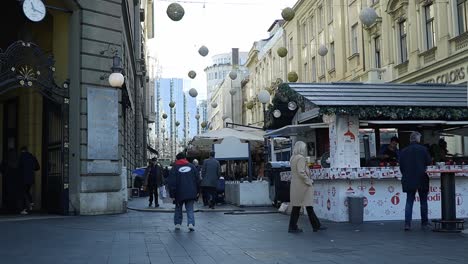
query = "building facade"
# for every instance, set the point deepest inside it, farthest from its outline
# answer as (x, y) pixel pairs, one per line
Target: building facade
(86, 134)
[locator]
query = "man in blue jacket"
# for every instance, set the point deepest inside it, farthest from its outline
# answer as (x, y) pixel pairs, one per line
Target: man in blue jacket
(413, 162)
(183, 189)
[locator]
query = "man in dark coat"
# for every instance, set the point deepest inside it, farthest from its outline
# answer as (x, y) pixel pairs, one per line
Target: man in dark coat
(153, 180)
(413, 162)
(211, 171)
(183, 189)
(27, 165)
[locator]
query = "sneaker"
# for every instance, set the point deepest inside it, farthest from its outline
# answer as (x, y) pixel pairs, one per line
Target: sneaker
(191, 227)
(24, 212)
(177, 227)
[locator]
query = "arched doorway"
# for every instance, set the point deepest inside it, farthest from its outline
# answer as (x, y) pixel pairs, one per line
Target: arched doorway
(33, 108)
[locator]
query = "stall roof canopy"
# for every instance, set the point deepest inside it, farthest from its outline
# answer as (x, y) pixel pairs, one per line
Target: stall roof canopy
(382, 94)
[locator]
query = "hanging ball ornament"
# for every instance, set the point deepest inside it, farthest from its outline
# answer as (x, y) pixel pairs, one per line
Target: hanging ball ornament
(249, 105)
(175, 12)
(164, 116)
(322, 51)
(288, 14)
(192, 74)
(203, 50)
(277, 113)
(282, 52)
(368, 16)
(197, 116)
(292, 106)
(193, 92)
(233, 75)
(214, 104)
(203, 124)
(171, 104)
(177, 123)
(292, 76)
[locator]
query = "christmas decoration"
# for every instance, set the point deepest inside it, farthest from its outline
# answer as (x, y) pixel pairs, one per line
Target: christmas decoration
(175, 12)
(203, 124)
(277, 113)
(292, 106)
(177, 123)
(203, 50)
(192, 74)
(292, 76)
(282, 52)
(395, 199)
(249, 105)
(214, 104)
(171, 104)
(368, 16)
(322, 51)
(193, 92)
(164, 116)
(197, 116)
(232, 91)
(233, 75)
(288, 14)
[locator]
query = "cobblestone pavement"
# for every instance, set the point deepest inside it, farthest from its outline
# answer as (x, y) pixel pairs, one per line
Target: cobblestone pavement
(149, 237)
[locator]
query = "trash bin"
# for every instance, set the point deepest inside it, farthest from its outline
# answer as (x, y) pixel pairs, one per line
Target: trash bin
(356, 210)
(280, 189)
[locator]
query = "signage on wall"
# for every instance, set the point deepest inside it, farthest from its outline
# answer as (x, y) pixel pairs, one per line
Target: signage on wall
(456, 75)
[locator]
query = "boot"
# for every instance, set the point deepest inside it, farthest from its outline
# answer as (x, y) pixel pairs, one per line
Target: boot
(293, 228)
(314, 221)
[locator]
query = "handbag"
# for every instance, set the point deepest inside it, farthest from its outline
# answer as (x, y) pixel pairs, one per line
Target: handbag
(162, 192)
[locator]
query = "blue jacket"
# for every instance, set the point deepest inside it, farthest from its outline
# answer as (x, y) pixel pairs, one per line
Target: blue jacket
(183, 181)
(413, 162)
(211, 171)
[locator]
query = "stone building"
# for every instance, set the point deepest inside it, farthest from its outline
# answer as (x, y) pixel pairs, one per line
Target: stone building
(56, 99)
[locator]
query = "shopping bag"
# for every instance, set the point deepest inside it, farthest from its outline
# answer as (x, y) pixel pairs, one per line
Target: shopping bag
(283, 208)
(162, 192)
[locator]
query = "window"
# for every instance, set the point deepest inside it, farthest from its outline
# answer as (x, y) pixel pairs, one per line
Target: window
(429, 19)
(402, 39)
(462, 10)
(152, 104)
(330, 10)
(291, 47)
(332, 55)
(312, 28)
(377, 54)
(322, 65)
(314, 70)
(306, 71)
(320, 18)
(304, 34)
(354, 39)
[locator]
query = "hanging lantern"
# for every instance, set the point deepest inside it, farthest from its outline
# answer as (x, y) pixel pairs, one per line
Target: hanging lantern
(192, 74)
(292, 76)
(233, 75)
(277, 113)
(288, 14)
(203, 124)
(193, 92)
(171, 104)
(175, 12)
(249, 105)
(368, 16)
(214, 104)
(282, 52)
(203, 50)
(164, 116)
(292, 106)
(232, 91)
(197, 116)
(322, 51)
(177, 123)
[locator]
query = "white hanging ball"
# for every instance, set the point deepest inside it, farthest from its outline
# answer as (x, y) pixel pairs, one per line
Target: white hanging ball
(193, 92)
(214, 104)
(192, 74)
(322, 51)
(264, 96)
(197, 116)
(277, 113)
(116, 79)
(175, 11)
(203, 50)
(292, 106)
(368, 16)
(233, 75)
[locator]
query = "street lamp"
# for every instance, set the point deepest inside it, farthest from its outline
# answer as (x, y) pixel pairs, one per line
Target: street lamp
(264, 98)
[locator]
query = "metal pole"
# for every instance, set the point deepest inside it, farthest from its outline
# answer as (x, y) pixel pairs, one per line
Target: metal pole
(447, 182)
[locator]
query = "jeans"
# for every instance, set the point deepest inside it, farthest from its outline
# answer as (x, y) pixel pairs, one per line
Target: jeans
(27, 197)
(409, 207)
(313, 219)
(178, 213)
(211, 194)
(153, 191)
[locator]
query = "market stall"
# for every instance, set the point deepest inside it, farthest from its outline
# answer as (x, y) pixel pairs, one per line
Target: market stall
(356, 115)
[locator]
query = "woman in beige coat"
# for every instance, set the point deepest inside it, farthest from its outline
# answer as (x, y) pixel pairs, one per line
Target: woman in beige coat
(302, 190)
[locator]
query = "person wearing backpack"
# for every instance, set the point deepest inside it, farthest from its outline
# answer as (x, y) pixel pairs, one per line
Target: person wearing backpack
(27, 165)
(183, 182)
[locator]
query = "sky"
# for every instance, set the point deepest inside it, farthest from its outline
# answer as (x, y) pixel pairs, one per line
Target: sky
(220, 25)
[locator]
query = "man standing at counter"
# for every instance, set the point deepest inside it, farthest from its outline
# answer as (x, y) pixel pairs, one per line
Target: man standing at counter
(413, 162)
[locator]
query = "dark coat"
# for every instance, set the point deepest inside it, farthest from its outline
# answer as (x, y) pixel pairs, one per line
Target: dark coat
(159, 176)
(27, 165)
(211, 171)
(183, 182)
(413, 162)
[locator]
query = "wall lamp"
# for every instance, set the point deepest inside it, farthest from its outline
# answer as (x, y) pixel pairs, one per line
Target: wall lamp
(116, 78)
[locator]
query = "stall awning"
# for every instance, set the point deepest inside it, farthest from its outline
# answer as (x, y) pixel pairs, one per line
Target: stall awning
(293, 130)
(382, 94)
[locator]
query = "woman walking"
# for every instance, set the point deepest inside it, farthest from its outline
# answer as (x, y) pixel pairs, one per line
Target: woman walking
(302, 190)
